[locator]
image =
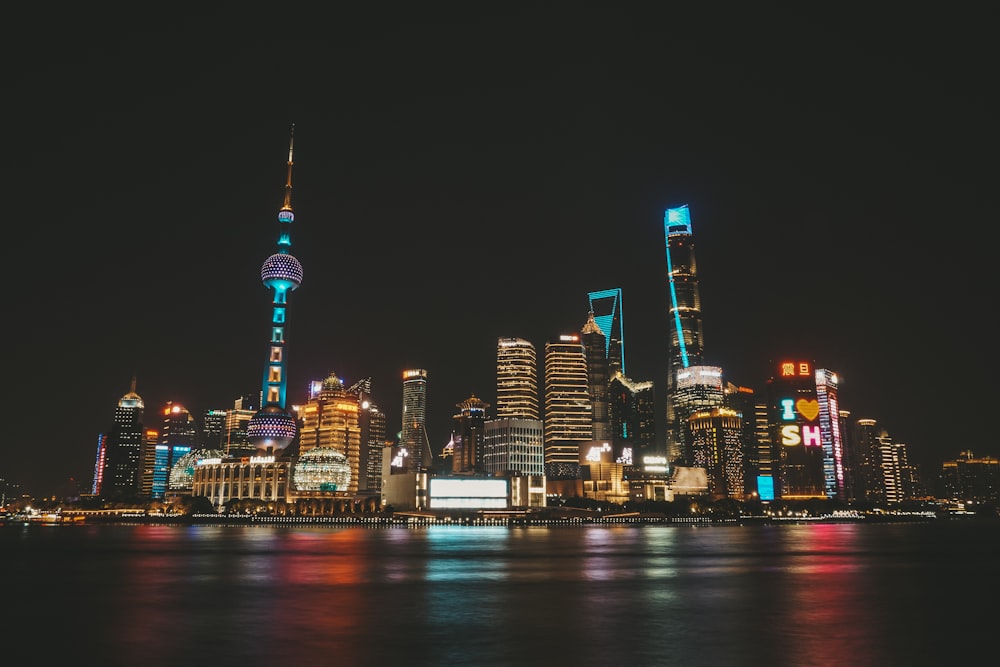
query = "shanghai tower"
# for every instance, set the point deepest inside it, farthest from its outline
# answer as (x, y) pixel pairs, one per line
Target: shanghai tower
(686, 339)
(272, 428)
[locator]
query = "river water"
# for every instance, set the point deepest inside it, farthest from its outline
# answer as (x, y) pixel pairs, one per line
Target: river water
(922, 593)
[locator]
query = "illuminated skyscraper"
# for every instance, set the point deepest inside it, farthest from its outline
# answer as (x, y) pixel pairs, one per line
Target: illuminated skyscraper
(178, 436)
(213, 429)
(632, 416)
(373, 425)
(467, 436)
(744, 401)
(696, 389)
(717, 446)
(237, 419)
(331, 419)
(517, 379)
(273, 428)
(414, 432)
(796, 442)
(568, 413)
(595, 346)
(831, 436)
(123, 448)
(607, 308)
(686, 338)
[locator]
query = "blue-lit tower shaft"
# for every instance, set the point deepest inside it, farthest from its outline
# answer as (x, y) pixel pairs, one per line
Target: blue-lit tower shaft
(686, 337)
(281, 283)
(272, 429)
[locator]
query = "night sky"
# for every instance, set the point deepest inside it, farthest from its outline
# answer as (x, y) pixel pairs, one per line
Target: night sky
(470, 171)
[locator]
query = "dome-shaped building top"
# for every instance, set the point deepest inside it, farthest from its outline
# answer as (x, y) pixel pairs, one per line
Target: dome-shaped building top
(182, 472)
(321, 469)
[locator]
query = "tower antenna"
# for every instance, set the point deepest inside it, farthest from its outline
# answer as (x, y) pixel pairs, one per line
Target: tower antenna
(287, 206)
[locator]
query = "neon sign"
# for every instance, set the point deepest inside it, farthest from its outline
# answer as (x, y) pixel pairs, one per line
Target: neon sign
(797, 433)
(795, 369)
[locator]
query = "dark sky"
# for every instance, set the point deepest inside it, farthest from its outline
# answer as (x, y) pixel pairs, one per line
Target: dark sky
(469, 171)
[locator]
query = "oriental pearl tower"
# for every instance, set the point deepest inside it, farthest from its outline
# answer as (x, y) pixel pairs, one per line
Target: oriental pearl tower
(272, 428)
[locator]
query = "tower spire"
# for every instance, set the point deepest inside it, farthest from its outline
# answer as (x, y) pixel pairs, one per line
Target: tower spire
(287, 206)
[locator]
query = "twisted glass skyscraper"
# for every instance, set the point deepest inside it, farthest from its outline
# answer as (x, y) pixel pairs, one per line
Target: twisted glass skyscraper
(686, 338)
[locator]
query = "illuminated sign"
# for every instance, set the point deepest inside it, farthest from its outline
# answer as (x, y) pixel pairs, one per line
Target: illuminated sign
(397, 461)
(596, 454)
(654, 463)
(569, 338)
(791, 435)
(447, 487)
(765, 487)
(208, 462)
(798, 433)
(449, 492)
(261, 459)
(795, 369)
(626, 457)
(409, 375)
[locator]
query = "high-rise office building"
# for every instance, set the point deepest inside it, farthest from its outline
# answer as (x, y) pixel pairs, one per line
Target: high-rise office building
(598, 377)
(886, 474)
(831, 437)
(513, 441)
(374, 441)
(467, 436)
(744, 401)
(123, 448)
(686, 346)
(607, 308)
(373, 425)
(796, 440)
(213, 428)
(717, 446)
(568, 418)
(238, 418)
(273, 428)
(633, 418)
(414, 432)
(696, 389)
(514, 447)
(178, 436)
(517, 379)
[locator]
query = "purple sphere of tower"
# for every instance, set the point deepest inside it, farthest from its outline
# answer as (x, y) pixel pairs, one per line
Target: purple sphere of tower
(271, 429)
(281, 271)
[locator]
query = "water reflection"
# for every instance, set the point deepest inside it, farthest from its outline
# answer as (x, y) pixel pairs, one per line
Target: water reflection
(818, 594)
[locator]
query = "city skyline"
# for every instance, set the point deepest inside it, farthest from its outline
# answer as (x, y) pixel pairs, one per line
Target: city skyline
(453, 187)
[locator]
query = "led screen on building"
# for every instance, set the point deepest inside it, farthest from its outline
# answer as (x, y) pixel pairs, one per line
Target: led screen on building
(455, 493)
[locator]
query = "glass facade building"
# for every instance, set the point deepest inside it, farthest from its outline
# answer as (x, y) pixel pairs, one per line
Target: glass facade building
(686, 343)
(414, 432)
(568, 412)
(122, 455)
(517, 379)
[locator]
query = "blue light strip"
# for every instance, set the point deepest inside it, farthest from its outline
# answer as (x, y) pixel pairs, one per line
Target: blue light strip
(673, 293)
